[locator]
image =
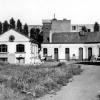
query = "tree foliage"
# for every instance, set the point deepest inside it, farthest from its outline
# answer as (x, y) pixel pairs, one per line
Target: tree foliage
(96, 27)
(33, 34)
(36, 35)
(5, 26)
(19, 25)
(25, 29)
(0, 27)
(84, 29)
(12, 23)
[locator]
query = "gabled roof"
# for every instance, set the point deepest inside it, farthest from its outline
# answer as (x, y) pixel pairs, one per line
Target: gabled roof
(18, 36)
(76, 37)
(15, 31)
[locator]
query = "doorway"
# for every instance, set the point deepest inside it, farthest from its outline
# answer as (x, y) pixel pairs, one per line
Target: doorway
(56, 54)
(80, 54)
(67, 57)
(89, 53)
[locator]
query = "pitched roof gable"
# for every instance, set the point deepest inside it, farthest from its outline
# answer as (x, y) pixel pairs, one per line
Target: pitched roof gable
(18, 36)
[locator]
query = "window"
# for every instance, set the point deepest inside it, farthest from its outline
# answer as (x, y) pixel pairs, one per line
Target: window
(11, 38)
(73, 27)
(99, 52)
(67, 50)
(20, 48)
(3, 48)
(44, 51)
(55, 50)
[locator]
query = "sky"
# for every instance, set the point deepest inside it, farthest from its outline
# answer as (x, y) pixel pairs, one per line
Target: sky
(33, 12)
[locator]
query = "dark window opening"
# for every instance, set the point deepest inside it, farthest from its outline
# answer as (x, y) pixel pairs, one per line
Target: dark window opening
(55, 50)
(44, 51)
(73, 27)
(3, 48)
(67, 50)
(3, 59)
(11, 38)
(99, 52)
(20, 48)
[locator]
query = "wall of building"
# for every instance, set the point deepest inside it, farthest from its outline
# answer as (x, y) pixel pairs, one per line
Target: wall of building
(74, 50)
(11, 54)
(55, 25)
(30, 54)
(78, 27)
(61, 25)
(46, 30)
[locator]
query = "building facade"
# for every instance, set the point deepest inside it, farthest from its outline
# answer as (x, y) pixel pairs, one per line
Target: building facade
(53, 26)
(70, 45)
(78, 27)
(16, 48)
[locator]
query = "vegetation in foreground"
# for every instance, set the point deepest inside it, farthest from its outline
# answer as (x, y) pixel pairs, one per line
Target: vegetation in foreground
(29, 82)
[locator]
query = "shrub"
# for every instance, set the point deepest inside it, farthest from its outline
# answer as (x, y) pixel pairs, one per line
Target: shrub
(62, 80)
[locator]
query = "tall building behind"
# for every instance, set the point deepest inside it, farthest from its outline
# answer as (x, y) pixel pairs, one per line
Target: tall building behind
(53, 26)
(78, 27)
(61, 25)
(46, 30)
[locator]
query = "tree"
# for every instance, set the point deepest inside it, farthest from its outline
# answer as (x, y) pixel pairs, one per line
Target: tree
(33, 34)
(12, 23)
(5, 26)
(19, 25)
(96, 27)
(25, 29)
(84, 29)
(36, 36)
(0, 27)
(40, 39)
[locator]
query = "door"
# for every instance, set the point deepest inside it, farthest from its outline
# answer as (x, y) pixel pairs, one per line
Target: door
(11, 58)
(89, 53)
(80, 54)
(56, 54)
(67, 54)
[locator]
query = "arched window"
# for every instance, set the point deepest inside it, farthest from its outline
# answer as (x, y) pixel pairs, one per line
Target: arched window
(3, 48)
(20, 48)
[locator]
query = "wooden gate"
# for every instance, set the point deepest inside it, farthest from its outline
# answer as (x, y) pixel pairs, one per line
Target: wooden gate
(80, 54)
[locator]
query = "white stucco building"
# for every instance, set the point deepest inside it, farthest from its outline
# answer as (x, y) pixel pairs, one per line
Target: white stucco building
(17, 49)
(72, 45)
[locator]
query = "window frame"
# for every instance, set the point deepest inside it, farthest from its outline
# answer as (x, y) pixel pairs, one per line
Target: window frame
(45, 51)
(67, 50)
(20, 48)
(74, 28)
(3, 48)
(55, 50)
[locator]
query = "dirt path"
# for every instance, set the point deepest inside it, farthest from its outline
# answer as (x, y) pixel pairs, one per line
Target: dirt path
(83, 87)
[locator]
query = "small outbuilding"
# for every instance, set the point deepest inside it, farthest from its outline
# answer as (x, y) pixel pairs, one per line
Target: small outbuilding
(72, 45)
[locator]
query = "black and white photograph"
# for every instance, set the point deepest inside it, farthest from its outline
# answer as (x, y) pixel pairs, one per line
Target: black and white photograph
(49, 49)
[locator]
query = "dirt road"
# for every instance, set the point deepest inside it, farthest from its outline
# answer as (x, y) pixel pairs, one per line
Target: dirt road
(83, 87)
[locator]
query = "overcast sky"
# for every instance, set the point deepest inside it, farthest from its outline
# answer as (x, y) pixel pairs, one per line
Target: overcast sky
(33, 11)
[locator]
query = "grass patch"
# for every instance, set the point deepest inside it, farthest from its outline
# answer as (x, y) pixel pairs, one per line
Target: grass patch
(35, 81)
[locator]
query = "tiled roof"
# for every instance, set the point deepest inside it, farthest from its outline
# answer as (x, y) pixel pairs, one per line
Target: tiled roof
(76, 37)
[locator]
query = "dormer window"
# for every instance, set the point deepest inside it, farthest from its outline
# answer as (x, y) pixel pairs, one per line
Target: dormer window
(11, 38)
